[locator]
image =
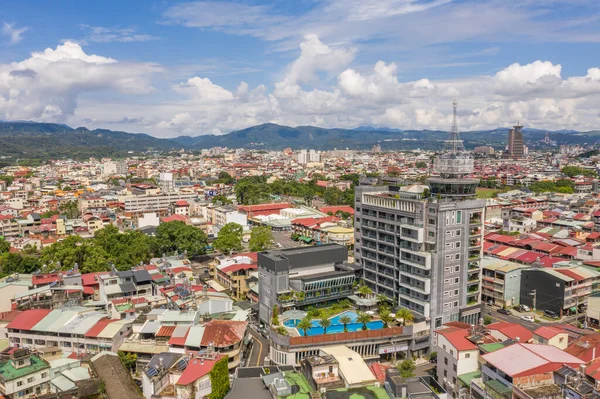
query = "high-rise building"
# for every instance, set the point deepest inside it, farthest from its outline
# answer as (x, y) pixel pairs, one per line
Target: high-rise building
(516, 145)
(314, 156)
(422, 247)
(303, 157)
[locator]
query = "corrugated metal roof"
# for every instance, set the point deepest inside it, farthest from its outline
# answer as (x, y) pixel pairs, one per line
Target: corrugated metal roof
(195, 335)
(57, 319)
(113, 329)
(151, 327)
(82, 323)
(165, 331)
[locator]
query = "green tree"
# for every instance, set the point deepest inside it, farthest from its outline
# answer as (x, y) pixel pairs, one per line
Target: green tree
(386, 318)
(487, 319)
(364, 319)
(69, 209)
(275, 316)
(407, 368)
(573, 171)
(261, 238)
(365, 291)
(8, 179)
(225, 178)
(74, 249)
(304, 325)
(230, 238)
(124, 250)
(178, 236)
(4, 246)
(421, 165)
(128, 360)
(324, 322)
(345, 320)
(405, 314)
(333, 196)
(221, 199)
(219, 378)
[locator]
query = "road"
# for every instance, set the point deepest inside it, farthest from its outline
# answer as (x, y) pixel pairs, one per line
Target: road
(515, 317)
(285, 239)
(260, 349)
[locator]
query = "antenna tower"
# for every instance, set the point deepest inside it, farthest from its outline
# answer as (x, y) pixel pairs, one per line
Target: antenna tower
(454, 145)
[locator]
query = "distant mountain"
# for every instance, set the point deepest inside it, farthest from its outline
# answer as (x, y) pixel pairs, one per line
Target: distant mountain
(39, 141)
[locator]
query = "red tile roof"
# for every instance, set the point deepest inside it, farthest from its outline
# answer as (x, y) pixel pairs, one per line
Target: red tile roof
(570, 273)
(223, 333)
(379, 370)
(512, 330)
(238, 267)
(458, 338)
(334, 209)
(28, 319)
(179, 341)
(196, 368)
(548, 332)
(10, 315)
(165, 331)
(99, 327)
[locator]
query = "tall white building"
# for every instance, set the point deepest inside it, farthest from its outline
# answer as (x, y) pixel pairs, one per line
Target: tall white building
(314, 156)
(303, 157)
(114, 168)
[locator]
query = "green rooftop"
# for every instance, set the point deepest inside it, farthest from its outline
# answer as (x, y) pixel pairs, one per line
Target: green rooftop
(468, 377)
(123, 307)
(498, 387)
(489, 348)
(8, 372)
(299, 380)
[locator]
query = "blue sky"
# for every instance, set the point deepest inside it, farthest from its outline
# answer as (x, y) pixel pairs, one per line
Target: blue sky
(175, 67)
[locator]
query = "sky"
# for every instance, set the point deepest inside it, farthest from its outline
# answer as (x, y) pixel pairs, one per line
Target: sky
(171, 68)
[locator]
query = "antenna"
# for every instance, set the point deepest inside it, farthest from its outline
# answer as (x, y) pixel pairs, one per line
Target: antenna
(454, 145)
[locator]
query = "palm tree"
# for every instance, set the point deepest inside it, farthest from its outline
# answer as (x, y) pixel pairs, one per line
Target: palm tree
(365, 291)
(386, 318)
(364, 319)
(405, 315)
(381, 299)
(304, 325)
(324, 322)
(345, 320)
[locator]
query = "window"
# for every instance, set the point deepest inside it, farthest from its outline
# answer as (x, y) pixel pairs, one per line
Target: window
(21, 362)
(446, 360)
(30, 380)
(455, 303)
(446, 293)
(454, 367)
(44, 375)
(467, 355)
(458, 216)
(455, 292)
(447, 269)
(19, 383)
(457, 256)
(456, 269)
(444, 347)
(445, 373)
(451, 352)
(456, 280)
(457, 232)
(457, 245)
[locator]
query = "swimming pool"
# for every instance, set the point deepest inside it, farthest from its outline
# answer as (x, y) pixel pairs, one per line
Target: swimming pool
(336, 326)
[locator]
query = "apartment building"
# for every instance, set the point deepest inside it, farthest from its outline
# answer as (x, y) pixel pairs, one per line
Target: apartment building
(23, 374)
(421, 246)
(140, 204)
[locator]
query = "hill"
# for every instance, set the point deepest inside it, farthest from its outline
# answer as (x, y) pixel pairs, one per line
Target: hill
(34, 142)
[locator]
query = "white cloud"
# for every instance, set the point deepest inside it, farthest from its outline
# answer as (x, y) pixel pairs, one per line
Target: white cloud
(100, 34)
(47, 85)
(15, 34)
(203, 89)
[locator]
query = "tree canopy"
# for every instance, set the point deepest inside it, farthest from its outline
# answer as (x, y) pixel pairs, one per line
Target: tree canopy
(261, 237)
(229, 238)
(573, 171)
(178, 236)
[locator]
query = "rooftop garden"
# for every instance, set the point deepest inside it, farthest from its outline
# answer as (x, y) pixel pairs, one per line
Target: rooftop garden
(370, 392)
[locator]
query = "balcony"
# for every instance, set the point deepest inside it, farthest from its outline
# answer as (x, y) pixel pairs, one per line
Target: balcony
(473, 289)
(474, 243)
(475, 232)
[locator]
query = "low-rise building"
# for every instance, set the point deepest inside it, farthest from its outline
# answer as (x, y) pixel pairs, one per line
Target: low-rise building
(23, 374)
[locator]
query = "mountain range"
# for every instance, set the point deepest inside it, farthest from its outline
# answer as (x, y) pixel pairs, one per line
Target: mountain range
(39, 141)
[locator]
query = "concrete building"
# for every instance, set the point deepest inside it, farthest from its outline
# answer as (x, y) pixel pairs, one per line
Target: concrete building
(114, 168)
(23, 374)
(456, 355)
(141, 204)
(302, 157)
(516, 144)
(421, 250)
(501, 282)
(311, 270)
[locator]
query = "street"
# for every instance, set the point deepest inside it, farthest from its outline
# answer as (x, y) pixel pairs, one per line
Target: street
(285, 239)
(260, 349)
(515, 317)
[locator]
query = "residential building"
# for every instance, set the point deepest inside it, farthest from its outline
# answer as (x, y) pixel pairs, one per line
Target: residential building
(23, 374)
(235, 272)
(504, 331)
(422, 250)
(501, 282)
(114, 168)
(516, 144)
(141, 204)
(311, 270)
(551, 336)
(456, 355)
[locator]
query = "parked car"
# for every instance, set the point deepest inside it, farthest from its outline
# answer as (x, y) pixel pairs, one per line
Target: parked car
(522, 308)
(551, 314)
(528, 318)
(504, 311)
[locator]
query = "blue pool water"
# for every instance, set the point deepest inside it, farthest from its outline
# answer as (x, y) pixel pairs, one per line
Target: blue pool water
(336, 326)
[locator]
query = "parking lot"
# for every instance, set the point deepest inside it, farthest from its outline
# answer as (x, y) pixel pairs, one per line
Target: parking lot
(285, 239)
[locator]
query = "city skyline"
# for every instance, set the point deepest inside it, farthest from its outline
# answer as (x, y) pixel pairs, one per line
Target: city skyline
(212, 67)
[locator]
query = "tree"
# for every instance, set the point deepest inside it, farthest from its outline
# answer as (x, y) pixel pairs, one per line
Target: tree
(364, 319)
(333, 196)
(404, 314)
(304, 325)
(275, 316)
(74, 249)
(128, 360)
(230, 238)
(487, 319)
(573, 171)
(219, 378)
(345, 320)
(178, 236)
(386, 317)
(221, 199)
(69, 209)
(407, 368)
(8, 179)
(225, 178)
(261, 238)
(421, 165)
(365, 291)
(324, 322)
(4, 246)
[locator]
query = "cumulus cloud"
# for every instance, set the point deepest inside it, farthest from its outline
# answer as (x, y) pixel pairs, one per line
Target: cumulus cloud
(204, 90)
(15, 34)
(47, 85)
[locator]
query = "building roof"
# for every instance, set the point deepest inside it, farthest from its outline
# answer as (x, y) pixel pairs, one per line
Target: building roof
(511, 330)
(117, 380)
(458, 338)
(528, 359)
(8, 372)
(98, 327)
(28, 319)
(352, 367)
(196, 368)
(223, 333)
(548, 332)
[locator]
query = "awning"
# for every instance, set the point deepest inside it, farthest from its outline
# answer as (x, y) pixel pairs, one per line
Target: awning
(573, 309)
(306, 239)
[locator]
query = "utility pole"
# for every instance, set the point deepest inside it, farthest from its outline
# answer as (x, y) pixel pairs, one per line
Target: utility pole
(534, 293)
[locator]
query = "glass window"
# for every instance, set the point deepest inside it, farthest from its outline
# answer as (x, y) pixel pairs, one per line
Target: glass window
(458, 216)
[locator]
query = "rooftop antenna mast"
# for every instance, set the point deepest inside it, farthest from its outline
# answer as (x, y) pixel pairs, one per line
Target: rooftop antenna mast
(455, 144)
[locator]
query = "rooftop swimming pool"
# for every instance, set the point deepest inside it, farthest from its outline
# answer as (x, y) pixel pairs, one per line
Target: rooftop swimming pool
(336, 326)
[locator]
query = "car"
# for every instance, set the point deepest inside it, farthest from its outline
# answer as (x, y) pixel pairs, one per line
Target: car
(528, 318)
(551, 314)
(504, 311)
(525, 308)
